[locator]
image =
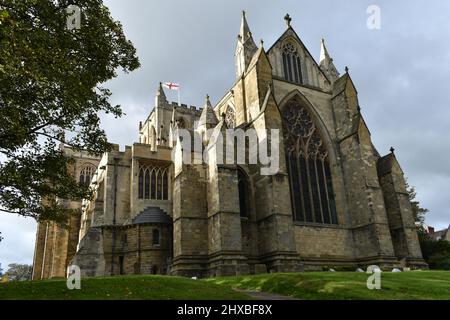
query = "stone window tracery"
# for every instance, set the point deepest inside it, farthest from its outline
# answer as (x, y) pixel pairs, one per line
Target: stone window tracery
(308, 165)
(153, 183)
(86, 174)
(291, 64)
(230, 118)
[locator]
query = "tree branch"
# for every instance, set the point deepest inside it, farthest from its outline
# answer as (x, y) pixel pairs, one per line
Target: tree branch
(62, 141)
(8, 211)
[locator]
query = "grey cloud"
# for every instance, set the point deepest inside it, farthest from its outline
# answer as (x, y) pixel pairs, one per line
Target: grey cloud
(401, 71)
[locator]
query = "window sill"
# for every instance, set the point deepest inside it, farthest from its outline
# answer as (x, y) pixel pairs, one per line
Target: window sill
(318, 225)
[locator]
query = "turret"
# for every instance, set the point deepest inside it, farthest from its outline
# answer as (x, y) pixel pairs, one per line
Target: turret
(208, 120)
(160, 98)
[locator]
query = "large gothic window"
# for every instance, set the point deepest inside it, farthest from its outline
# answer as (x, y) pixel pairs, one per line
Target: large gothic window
(308, 165)
(86, 174)
(291, 64)
(153, 183)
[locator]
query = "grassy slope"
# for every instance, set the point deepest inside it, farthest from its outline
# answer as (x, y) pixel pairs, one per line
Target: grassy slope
(129, 287)
(346, 285)
(317, 285)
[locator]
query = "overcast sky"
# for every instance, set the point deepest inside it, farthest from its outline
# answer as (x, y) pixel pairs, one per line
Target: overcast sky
(400, 71)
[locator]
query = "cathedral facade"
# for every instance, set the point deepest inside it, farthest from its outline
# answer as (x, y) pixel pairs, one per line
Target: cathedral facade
(333, 200)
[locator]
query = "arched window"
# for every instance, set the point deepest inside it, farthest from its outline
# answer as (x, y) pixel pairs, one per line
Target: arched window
(86, 174)
(155, 237)
(153, 183)
(243, 194)
(308, 166)
(291, 64)
(230, 118)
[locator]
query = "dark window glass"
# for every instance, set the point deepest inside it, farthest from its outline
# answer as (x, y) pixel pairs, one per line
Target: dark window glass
(141, 184)
(155, 237)
(297, 200)
(153, 183)
(159, 186)
(285, 66)
(294, 66)
(165, 186)
(289, 57)
(299, 71)
(147, 184)
(331, 195)
(305, 188)
(323, 191)
(315, 191)
(310, 179)
(291, 64)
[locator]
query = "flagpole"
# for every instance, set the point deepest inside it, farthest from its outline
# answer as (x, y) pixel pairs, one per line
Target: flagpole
(179, 102)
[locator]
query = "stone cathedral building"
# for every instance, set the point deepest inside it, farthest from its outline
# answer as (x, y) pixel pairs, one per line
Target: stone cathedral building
(335, 201)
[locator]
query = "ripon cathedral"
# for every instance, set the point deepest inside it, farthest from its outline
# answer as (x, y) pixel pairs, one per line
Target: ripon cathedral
(335, 201)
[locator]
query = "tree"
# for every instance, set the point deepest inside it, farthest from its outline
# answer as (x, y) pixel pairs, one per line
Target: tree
(19, 272)
(50, 93)
(418, 212)
(435, 253)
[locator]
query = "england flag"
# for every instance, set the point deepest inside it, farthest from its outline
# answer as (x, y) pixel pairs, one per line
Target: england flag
(171, 85)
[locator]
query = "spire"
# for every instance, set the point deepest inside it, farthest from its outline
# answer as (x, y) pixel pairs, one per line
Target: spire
(324, 55)
(160, 98)
(326, 63)
(245, 48)
(244, 33)
(208, 117)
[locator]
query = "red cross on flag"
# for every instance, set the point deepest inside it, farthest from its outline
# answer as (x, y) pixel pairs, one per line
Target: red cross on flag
(171, 85)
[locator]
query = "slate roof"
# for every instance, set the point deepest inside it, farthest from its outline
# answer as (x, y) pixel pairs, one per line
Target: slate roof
(152, 215)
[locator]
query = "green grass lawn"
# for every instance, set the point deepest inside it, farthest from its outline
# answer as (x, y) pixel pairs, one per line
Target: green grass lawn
(120, 287)
(346, 285)
(314, 285)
